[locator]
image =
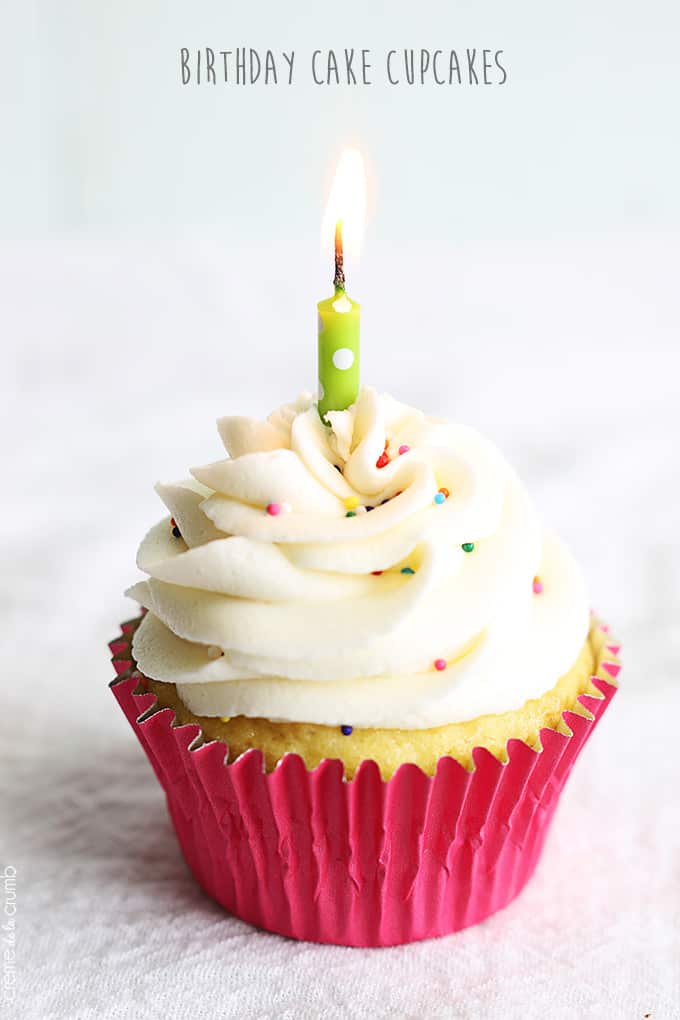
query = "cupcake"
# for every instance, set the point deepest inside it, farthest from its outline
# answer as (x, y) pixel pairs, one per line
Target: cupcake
(362, 672)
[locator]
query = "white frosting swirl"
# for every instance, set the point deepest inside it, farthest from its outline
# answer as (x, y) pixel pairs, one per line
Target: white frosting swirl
(328, 618)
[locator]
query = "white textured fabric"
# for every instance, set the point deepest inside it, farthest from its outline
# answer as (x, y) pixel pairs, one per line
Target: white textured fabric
(109, 922)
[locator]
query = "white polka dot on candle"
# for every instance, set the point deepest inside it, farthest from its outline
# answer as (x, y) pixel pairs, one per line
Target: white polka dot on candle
(343, 358)
(322, 392)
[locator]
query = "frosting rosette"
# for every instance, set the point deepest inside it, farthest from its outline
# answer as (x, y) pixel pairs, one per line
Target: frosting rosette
(377, 570)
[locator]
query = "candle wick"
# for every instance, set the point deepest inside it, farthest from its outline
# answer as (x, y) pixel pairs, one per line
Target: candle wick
(339, 280)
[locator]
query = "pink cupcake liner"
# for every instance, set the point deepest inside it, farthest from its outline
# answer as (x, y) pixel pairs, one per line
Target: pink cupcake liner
(362, 862)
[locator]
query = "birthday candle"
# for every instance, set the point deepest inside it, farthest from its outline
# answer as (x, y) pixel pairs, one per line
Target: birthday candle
(339, 375)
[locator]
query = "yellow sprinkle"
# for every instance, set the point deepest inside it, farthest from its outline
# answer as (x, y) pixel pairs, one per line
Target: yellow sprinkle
(351, 503)
(225, 718)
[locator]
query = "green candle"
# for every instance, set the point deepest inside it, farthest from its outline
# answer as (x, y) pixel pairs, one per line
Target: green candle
(339, 315)
(338, 342)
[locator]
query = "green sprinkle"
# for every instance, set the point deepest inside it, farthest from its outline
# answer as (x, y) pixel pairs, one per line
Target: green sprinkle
(468, 546)
(407, 570)
(351, 513)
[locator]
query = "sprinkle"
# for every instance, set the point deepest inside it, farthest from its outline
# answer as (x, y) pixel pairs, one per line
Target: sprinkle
(445, 492)
(403, 449)
(537, 586)
(351, 513)
(468, 546)
(176, 532)
(382, 461)
(376, 573)
(351, 503)
(440, 498)
(346, 730)
(440, 664)
(214, 652)
(407, 570)
(369, 508)
(274, 509)
(225, 718)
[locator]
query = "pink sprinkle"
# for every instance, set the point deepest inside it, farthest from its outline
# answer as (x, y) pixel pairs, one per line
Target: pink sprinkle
(404, 449)
(537, 586)
(440, 664)
(274, 509)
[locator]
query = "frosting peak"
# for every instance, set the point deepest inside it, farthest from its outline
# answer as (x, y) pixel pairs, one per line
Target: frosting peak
(334, 566)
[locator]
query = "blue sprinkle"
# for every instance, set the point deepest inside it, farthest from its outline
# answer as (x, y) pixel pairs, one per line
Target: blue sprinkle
(176, 532)
(407, 570)
(370, 508)
(440, 498)
(346, 730)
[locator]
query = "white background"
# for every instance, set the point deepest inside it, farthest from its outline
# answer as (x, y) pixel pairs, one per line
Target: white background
(105, 138)
(160, 267)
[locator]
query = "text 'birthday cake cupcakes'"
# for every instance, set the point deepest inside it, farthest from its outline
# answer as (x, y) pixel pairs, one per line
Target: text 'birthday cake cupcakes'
(363, 674)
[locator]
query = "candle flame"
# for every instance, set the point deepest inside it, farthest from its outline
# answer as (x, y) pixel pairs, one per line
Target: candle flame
(346, 209)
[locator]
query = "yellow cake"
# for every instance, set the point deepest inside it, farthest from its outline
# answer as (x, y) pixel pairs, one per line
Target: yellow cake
(390, 748)
(374, 588)
(378, 589)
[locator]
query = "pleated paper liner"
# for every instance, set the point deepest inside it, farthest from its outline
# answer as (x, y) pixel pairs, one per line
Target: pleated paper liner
(364, 862)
